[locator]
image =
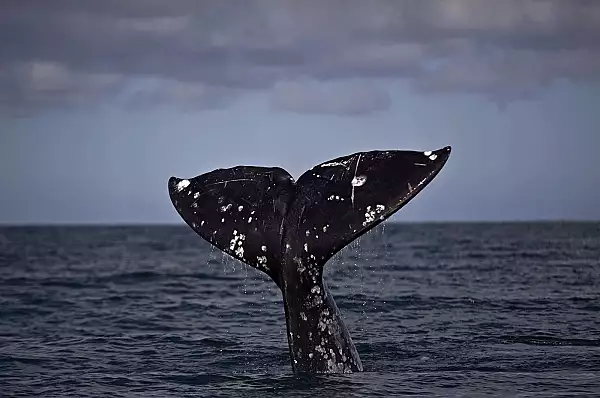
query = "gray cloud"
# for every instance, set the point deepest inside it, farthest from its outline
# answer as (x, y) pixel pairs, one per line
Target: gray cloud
(339, 98)
(503, 50)
(32, 86)
(187, 96)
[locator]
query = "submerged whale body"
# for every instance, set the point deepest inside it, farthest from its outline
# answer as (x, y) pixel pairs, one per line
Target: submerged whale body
(289, 230)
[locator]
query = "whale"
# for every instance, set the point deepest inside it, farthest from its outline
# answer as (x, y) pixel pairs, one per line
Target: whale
(289, 230)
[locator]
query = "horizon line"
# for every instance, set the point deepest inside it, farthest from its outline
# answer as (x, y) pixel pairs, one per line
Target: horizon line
(177, 224)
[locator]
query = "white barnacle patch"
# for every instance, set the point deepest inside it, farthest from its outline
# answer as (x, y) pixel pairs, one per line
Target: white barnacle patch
(233, 242)
(427, 153)
(303, 316)
(249, 220)
(262, 260)
(322, 324)
(236, 240)
(369, 216)
(306, 247)
(315, 289)
(371, 213)
(181, 185)
(301, 268)
(222, 220)
(263, 248)
(325, 227)
(240, 250)
(307, 233)
(240, 208)
(202, 223)
(335, 197)
(196, 195)
(433, 157)
(333, 164)
(225, 208)
(358, 181)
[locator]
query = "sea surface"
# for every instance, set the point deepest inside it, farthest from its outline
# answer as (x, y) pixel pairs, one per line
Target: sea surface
(454, 310)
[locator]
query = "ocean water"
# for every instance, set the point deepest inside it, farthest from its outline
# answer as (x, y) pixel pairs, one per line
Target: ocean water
(434, 310)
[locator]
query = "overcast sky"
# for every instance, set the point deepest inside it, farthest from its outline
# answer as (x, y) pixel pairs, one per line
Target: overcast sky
(102, 101)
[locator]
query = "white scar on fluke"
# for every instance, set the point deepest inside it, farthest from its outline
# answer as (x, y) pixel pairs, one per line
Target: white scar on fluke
(354, 179)
(289, 229)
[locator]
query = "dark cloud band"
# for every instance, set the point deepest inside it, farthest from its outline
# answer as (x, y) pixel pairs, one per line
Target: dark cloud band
(67, 52)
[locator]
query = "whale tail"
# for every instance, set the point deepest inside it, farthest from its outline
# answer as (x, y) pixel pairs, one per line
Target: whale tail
(255, 213)
(240, 210)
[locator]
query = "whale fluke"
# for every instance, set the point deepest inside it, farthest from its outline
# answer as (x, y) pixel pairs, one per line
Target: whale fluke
(240, 210)
(289, 230)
